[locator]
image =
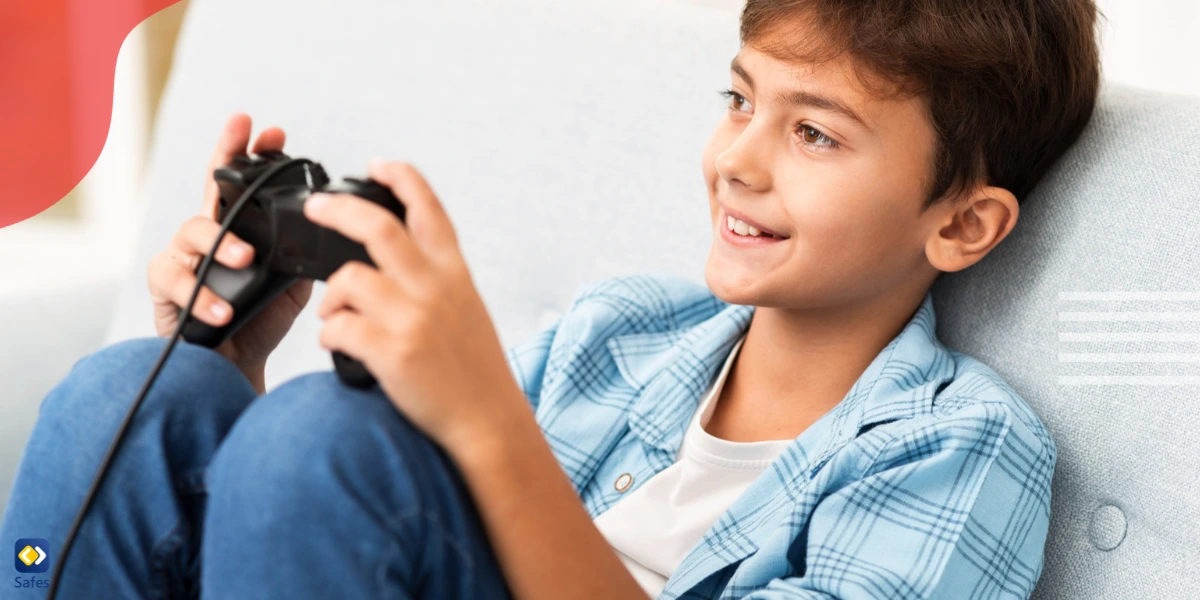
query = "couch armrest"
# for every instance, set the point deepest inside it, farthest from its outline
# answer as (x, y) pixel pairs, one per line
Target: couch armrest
(42, 335)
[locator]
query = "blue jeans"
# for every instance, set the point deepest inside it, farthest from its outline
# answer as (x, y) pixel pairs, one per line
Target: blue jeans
(313, 490)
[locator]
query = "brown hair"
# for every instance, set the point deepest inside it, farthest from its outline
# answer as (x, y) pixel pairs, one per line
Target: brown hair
(1010, 83)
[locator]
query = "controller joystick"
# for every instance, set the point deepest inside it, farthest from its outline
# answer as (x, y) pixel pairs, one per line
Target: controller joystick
(287, 246)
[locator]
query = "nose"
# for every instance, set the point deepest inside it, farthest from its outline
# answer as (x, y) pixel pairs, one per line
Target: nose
(745, 161)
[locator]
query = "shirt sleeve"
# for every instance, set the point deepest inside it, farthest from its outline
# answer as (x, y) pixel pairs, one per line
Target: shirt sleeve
(956, 506)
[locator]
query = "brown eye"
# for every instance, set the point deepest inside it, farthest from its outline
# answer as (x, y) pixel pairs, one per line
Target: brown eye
(737, 102)
(813, 137)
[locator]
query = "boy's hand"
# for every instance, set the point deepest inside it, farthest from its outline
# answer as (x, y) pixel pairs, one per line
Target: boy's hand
(171, 274)
(415, 320)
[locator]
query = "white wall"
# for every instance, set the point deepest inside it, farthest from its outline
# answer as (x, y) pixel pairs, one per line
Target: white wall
(1152, 43)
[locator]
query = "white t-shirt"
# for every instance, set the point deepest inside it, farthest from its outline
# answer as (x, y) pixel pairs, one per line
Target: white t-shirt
(656, 525)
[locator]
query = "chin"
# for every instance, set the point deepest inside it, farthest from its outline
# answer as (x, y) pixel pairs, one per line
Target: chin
(732, 284)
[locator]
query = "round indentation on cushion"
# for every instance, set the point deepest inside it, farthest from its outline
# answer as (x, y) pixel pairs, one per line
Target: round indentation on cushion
(1107, 529)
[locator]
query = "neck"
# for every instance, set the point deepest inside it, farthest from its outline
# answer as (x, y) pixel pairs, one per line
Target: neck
(797, 364)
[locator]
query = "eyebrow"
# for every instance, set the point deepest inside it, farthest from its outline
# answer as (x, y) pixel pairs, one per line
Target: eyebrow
(803, 98)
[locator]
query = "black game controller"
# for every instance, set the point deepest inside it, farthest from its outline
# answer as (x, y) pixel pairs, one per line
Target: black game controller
(287, 246)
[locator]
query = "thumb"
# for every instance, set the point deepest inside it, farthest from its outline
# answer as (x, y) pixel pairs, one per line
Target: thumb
(233, 141)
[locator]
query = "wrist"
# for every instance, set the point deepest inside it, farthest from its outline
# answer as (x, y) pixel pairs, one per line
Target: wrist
(253, 370)
(503, 433)
(256, 374)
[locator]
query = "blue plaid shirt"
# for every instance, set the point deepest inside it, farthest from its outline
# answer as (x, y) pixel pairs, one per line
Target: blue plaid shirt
(930, 479)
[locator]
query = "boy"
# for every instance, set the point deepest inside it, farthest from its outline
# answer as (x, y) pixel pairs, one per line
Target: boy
(792, 430)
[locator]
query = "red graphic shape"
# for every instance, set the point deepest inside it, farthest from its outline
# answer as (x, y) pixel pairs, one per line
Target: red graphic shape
(58, 59)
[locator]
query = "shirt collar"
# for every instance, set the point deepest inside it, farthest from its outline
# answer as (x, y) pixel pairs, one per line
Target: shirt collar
(671, 370)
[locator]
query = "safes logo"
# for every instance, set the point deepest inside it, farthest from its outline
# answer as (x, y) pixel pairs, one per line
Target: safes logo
(31, 555)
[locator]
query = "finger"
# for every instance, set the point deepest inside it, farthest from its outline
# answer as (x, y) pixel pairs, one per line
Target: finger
(357, 286)
(189, 260)
(196, 237)
(172, 281)
(234, 138)
(270, 139)
(232, 143)
(426, 218)
(373, 226)
(354, 335)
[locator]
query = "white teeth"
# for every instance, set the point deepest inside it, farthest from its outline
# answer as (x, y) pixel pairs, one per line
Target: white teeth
(742, 228)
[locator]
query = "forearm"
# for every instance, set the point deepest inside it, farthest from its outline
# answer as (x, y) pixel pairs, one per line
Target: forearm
(541, 533)
(255, 371)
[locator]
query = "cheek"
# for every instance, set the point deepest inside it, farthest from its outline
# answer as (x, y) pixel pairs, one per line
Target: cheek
(847, 219)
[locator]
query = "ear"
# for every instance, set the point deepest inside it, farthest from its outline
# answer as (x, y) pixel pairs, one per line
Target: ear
(969, 227)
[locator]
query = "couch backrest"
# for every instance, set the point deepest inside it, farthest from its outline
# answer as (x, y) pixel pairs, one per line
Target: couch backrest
(1091, 309)
(565, 140)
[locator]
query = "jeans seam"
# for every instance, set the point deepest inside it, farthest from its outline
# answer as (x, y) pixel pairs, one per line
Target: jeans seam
(386, 591)
(193, 481)
(392, 525)
(438, 527)
(170, 542)
(445, 535)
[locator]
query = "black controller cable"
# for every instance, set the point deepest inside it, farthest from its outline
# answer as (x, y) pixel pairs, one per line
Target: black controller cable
(162, 359)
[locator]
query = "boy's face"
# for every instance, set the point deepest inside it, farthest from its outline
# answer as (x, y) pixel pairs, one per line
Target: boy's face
(842, 195)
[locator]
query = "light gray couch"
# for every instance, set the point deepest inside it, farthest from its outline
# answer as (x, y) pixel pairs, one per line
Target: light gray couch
(565, 140)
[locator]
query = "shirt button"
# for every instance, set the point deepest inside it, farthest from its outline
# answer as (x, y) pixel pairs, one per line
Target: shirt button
(624, 481)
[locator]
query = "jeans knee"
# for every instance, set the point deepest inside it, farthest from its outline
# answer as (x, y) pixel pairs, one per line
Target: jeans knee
(309, 436)
(102, 385)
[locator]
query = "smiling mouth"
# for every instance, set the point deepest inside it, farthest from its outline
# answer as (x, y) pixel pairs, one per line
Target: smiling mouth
(743, 229)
